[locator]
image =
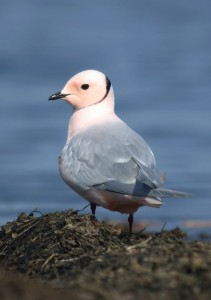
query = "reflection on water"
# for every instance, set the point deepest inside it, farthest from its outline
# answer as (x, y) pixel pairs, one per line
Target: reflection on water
(158, 57)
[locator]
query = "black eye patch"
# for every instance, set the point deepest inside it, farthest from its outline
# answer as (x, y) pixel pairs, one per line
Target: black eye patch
(85, 86)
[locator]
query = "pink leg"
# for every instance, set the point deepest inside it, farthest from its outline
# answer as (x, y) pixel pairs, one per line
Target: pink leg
(93, 208)
(130, 221)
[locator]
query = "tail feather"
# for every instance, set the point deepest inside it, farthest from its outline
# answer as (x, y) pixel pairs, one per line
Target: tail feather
(166, 193)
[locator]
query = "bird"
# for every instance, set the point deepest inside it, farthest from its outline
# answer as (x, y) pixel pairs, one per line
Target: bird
(104, 160)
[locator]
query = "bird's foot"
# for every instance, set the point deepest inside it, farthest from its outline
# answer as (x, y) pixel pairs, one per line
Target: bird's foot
(130, 221)
(93, 208)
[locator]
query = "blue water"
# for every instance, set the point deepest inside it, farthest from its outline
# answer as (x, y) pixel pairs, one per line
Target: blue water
(158, 57)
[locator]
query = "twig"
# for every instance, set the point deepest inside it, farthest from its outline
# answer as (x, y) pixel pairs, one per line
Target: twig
(162, 229)
(27, 229)
(35, 211)
(49, 259)
(143, 229)
(68, 260)
(82, 208)
(140, 245)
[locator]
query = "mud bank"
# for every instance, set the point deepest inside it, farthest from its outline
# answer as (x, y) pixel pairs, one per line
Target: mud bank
(82, 258)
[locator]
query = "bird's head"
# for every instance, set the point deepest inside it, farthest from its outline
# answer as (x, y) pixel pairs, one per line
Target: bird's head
(84, 89)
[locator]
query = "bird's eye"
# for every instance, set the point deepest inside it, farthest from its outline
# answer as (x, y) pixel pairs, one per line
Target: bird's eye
(85, 86)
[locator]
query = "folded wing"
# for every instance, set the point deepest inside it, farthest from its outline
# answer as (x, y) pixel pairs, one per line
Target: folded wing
(112, 157)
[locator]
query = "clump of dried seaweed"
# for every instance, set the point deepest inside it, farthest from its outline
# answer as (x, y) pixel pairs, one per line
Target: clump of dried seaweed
(51, 243)
(97, 261)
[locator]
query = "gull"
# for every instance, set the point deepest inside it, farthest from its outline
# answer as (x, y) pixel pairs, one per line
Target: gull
(103, 159)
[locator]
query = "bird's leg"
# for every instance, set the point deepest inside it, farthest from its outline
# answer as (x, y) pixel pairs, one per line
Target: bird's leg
(93, 208)
(130, 221)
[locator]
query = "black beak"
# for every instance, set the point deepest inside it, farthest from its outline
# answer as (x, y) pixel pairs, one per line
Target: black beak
(56, 96)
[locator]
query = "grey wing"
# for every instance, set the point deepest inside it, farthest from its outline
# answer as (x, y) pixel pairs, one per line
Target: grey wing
(112, 157)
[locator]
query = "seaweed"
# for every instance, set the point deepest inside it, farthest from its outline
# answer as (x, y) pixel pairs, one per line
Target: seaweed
(93, 260)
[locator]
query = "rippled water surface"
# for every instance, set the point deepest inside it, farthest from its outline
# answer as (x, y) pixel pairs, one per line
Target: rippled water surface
(158, 57)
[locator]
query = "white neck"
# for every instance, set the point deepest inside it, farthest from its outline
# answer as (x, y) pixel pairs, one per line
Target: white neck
(91, 115)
